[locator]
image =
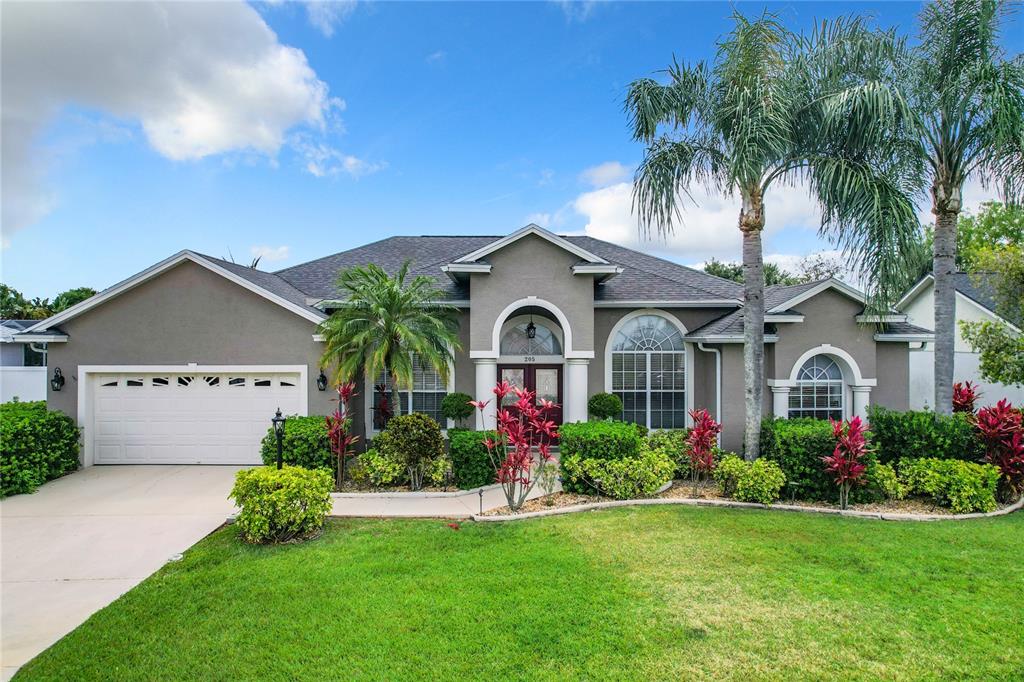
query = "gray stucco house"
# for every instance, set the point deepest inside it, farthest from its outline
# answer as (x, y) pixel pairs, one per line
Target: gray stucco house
(186, 361)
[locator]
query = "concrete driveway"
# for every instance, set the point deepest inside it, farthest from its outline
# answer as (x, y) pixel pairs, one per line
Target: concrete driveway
(81, 541)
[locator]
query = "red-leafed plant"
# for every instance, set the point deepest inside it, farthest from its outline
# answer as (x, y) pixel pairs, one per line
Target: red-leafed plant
(523, 427)
(702, 440)
(964, 396)
(845, 461)
(339, 430)
(1002, 430)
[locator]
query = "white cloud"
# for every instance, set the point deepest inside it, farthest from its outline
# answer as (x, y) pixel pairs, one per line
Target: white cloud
(326, 15)
(709, 223)
(604, 174)
(199, 78)
(576, 10)
(323, 160)
(436, 56)
(270, 253)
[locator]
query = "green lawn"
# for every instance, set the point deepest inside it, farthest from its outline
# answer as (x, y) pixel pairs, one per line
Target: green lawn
(647, 592)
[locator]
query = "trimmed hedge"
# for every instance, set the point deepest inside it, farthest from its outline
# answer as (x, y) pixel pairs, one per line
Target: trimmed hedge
(471, 464)
(305, 444)
(600, 440)
(964, 487)
(912, 435)
(797, 446)
(281, 505)
(36, 445)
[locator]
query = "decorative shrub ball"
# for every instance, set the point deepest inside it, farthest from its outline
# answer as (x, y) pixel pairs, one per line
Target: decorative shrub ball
(605, 406)
(455, 406)
(278, 505)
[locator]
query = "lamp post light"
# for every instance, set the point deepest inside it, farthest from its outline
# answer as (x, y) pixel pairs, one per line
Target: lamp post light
(278, 422)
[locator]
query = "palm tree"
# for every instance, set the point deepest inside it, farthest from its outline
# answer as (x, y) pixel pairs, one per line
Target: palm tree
(383, 322)
(966, 100)
(777, 108)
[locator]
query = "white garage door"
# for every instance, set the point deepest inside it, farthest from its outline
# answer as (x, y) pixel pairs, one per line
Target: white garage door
(188, 418)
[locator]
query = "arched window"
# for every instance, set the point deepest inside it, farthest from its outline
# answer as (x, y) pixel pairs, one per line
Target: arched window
(819, 390)
(517, 341)
(649, 372)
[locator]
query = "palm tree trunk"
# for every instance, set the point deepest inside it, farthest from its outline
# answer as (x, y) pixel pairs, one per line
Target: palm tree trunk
(751, 225)
(395, 397)
(943, 268)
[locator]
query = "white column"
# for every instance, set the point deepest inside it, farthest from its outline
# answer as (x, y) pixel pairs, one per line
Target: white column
(780, 402)
(577, 373)
(486, 379)
(861, 398)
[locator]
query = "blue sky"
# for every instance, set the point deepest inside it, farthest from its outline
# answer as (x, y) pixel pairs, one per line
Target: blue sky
(346, 124)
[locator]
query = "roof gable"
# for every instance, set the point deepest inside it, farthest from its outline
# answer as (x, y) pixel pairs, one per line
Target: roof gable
(538, 231)
(779, 299)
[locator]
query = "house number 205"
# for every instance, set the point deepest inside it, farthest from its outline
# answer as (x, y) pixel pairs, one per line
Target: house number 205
(529, 358)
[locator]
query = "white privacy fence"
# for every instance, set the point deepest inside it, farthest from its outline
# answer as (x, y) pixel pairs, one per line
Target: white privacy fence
(23, 383)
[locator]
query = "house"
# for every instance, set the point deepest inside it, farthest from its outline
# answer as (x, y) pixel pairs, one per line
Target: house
(975, 302)
(187, 361)
(22, 365)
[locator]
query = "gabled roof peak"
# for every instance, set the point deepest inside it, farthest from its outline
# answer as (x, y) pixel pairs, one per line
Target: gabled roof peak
(536, 230)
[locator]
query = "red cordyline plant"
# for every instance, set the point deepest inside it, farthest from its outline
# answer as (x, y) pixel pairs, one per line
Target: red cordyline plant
(964, 396)
(339, 427)
(522, 427)
(702, 440)
(1002, 430)
(845, 461)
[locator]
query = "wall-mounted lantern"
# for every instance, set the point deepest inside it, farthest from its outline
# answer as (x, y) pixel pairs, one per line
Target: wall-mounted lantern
(321, 381)
(57, 381)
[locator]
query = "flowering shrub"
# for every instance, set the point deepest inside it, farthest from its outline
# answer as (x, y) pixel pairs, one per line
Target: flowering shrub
(522, 426)
(845, 461)
(702, 440)
(964, 397)
(1002, 431)
(339, 427)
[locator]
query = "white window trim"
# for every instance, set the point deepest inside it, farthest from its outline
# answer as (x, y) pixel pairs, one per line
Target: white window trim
(86, 374)
(370, 383)
(687, 350)
(844, 388)
(525, 319)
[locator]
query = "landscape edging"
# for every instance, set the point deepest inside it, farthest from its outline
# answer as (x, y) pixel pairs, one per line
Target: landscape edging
(694, 502)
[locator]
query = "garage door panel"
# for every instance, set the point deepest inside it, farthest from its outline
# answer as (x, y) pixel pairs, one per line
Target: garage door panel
(188, 418)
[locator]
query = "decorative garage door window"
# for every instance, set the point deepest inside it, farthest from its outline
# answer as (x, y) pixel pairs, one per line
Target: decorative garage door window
(428, 390)
(649, 372)
(819, 390)
(517, 341)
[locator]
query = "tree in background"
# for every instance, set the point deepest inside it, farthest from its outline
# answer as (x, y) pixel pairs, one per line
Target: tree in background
(812, 268)
(71, 297)
(14, 306)
(775, 108)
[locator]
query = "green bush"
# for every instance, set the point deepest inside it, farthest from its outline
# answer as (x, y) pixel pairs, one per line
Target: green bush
(797, 446)
(962, 486)
(600, 440)
(761, 482)
(455, 406)
(36, 445)
(673, 443)
(414, 439)
(605, 406)
(623, 479)
(305, 444)
(437, 471)
(727, 473)
(378, 469)
(281, 505)
(883, 483)
(471, 464)
(910, 435)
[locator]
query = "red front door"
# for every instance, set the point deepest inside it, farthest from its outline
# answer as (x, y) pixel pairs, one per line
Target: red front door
(544, 380)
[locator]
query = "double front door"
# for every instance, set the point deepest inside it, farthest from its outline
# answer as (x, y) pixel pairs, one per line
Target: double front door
(544, 380)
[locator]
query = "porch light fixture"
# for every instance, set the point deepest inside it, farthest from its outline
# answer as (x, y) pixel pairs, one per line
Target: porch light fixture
(531, 329)
(278, 422)
(321, 381)
(57, 382)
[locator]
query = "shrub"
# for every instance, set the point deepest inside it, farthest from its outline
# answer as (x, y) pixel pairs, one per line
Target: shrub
(798, 446)
(437, 471)
(471, 464)
(1002, 431)
(379, 470)
(761, 481)
(964, 396)
(36, 445)
(281, 505)
(305, 444)
(623, 479)
(605, 406)
(600, 440)
(908, 435)
(675, 444)
(962, 486)
(846, 463)
(882, 483)
(702, 439)
(727, 473)
(414, 440)
(455, 406)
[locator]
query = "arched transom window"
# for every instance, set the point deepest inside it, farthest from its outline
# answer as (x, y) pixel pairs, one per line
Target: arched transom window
(819, 390)
(649, 372)
(517, 341)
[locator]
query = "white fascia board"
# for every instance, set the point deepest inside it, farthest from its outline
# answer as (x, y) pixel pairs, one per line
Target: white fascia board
(991, 313)
(467, 267)
(596, 269)
(40, 338)
(783, 318)
(831, 283)
(539, 231)
(899, 338)
(705, 303)
(862, 319)
(154, 270)
(914, 291)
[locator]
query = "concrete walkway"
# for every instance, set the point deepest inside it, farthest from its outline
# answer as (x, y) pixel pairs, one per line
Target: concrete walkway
(82, 541)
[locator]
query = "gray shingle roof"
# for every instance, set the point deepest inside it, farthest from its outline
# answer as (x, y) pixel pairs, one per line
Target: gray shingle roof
(727, 325)
(903, 328)
(643, 278)
(265, 280)
(976, 287)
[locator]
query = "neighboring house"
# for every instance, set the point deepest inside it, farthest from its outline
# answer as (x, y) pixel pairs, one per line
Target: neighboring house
(187, 361)
(975, 302)
(22, 364)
